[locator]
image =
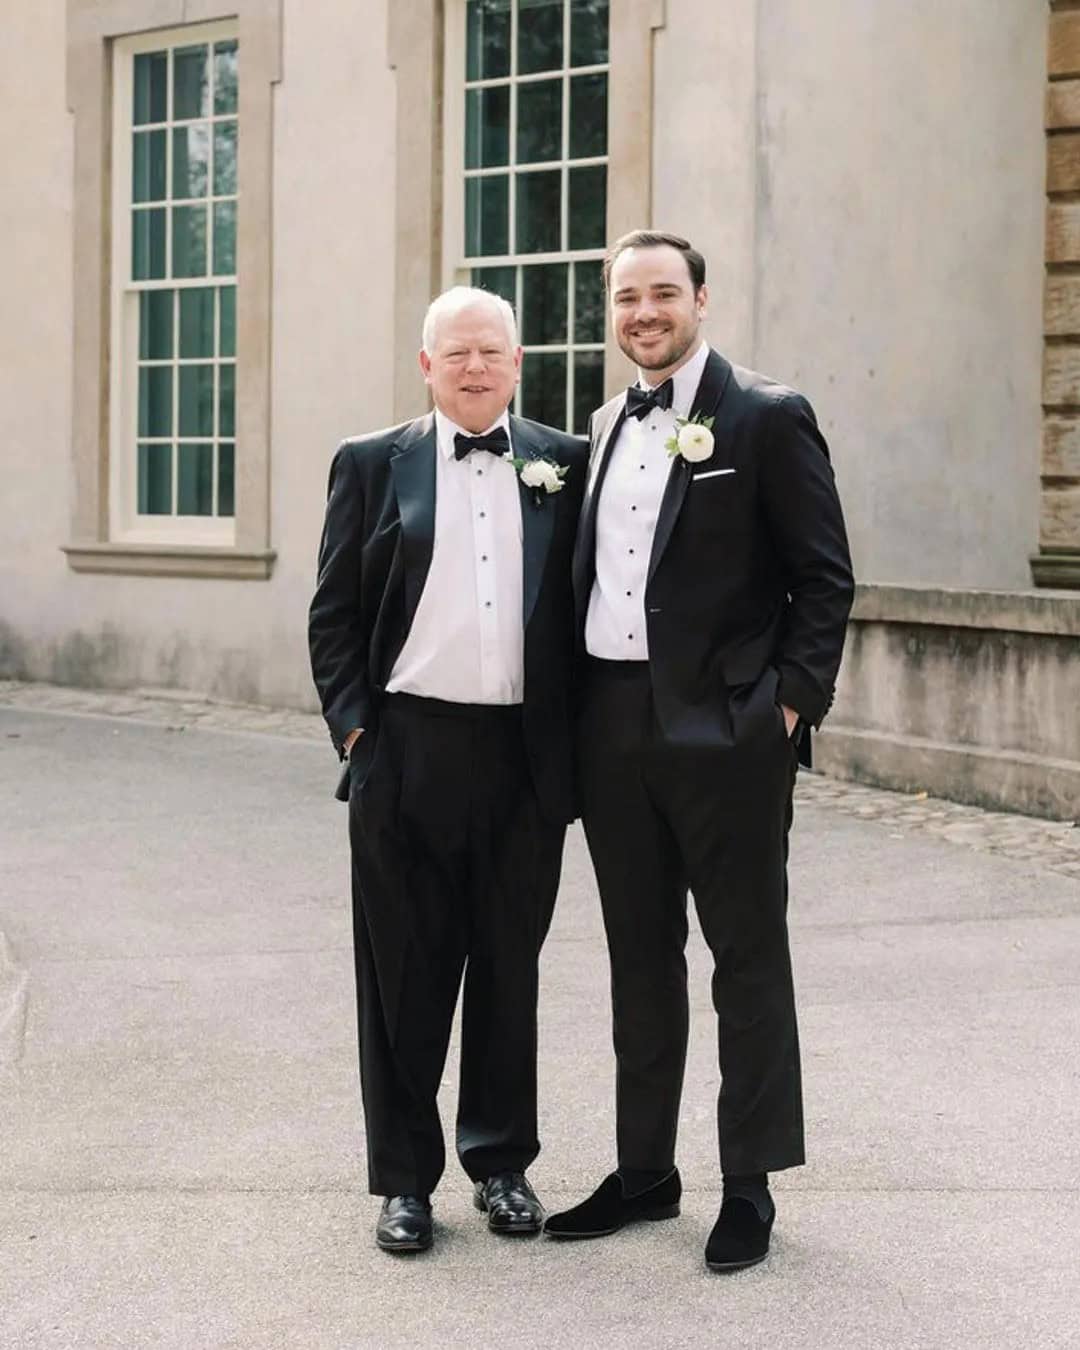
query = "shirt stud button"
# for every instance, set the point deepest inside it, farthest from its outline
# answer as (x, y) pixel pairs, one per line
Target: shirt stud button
(629, 593)
(483, 557)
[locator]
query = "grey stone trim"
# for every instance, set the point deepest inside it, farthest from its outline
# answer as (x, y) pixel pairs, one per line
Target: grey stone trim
(1005, 611)
(1061, 570)
(91, 28)
(416, 37)
(987, 777)
(156, 560)
(630, 142)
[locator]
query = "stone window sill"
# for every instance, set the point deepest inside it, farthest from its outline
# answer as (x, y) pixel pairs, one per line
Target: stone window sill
(171, 560)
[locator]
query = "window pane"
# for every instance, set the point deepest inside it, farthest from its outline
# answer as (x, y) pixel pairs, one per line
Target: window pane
(148, 166)
(151, 87)
(487, 127)
(538, 216)
(488, 29)
(588, 302)
(155, 400)
(540, 35)
(195, 480)
(224, 159)
(155, 325)
(543, 388)
(539, 126)
(189, 241)
(588, 387)
(543, 304)
(588, 116)
(227, 400)
(224, 238)
(155, 480)
(197, 322)
(225, 76)
(588, 32)
(190, 83)
(196, 400)
(191, 160)
(499, 280)
(588, 207)
(226, 474)
(227, 336)
(487, 216)
(147, 244)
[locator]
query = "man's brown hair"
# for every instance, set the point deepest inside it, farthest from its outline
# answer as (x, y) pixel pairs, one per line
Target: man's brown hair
(656, 239)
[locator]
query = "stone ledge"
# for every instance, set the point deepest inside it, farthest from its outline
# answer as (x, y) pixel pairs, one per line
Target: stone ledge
(160, 560)
(996, 779)
(1057, 615)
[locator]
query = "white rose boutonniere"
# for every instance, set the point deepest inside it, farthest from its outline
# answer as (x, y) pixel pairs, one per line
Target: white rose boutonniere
(544, 476)
(693, 439)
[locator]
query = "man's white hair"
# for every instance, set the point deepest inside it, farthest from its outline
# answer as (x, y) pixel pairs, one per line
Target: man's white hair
(458, 298)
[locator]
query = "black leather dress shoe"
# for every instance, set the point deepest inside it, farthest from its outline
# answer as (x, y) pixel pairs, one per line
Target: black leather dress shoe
(510, 1204)
(404, 1224)
(740, 1236)
(608, 1209)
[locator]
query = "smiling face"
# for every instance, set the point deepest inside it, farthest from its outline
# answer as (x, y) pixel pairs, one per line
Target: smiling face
(472, 367)
(656, 313)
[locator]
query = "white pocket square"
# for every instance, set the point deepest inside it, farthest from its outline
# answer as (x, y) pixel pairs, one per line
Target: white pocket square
(713, 473)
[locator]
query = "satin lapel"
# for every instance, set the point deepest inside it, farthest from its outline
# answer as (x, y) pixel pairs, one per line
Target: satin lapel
(537, 521)
(710, 391)
(413, 467)
(585, 544)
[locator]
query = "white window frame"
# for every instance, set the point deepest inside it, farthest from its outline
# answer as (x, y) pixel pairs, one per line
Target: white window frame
(457, 267)
(126, 525)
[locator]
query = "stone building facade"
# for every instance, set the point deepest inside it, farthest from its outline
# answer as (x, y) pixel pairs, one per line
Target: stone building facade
(227, 219)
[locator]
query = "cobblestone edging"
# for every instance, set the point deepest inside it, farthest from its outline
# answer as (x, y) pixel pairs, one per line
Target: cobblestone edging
(1054, 845)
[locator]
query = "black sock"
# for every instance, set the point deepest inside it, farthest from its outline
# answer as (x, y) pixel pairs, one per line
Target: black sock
(752, 1186)
(635, 1182)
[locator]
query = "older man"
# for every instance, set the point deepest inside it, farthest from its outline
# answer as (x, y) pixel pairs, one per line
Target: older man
(441, 637)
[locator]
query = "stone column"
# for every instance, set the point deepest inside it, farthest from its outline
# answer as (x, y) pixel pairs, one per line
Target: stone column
(1058, 561)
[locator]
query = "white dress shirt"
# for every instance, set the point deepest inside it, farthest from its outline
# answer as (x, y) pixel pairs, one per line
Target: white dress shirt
(626, 514)
(467, 641)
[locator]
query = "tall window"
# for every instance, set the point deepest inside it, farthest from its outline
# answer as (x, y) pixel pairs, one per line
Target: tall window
(174, 284)
(535, 190)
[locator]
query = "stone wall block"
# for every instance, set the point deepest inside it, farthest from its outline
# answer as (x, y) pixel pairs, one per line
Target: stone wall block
(1059, 521)
(1063, 162)
(1061, 447)
(1064, 44)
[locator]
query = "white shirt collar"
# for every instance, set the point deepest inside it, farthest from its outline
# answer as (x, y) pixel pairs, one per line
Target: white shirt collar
(446, 430)
(685, 380)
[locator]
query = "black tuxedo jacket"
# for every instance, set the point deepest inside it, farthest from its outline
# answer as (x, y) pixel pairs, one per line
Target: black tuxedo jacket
(749, 580)
(374, 557)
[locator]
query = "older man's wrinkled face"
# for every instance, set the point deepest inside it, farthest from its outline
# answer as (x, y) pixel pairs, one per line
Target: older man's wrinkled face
(656, 312)
(473, 366)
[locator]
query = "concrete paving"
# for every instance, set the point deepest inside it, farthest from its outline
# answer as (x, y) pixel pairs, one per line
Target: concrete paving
(179, 1133)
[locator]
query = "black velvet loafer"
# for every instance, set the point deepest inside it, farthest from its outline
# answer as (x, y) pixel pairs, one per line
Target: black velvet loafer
(404, 1224)
(740, 1236)
(510, 1204)
(608, 1209)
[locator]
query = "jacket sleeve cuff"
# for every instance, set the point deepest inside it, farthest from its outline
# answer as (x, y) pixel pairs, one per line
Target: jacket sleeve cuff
(796, 691)
(352, 718)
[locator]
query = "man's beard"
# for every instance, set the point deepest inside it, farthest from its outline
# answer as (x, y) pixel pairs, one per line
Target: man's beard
(680, 345)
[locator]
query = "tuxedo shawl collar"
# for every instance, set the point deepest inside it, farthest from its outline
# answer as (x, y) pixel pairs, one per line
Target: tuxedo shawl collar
(710, 392)
(413, 468)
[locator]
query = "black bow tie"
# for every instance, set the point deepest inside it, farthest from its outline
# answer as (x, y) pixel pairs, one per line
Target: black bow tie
(640, 402)
(496, 441)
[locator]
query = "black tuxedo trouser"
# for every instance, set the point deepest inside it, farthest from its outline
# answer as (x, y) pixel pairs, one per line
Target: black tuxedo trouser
(454, 869)
(715, 819)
